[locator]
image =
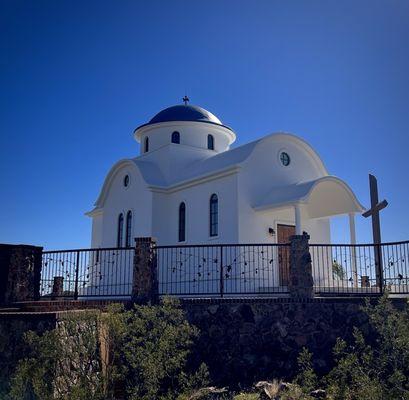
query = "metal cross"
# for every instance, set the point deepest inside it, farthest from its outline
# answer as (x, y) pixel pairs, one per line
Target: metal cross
(373, 212)
(185, 100)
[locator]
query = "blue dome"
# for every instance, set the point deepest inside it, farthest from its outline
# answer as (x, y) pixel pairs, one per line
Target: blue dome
(185, 113)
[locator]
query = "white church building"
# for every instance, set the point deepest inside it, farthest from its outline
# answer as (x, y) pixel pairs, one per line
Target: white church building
(188, 186)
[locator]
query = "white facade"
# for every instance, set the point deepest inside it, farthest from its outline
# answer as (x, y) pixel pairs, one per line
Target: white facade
(256, 190)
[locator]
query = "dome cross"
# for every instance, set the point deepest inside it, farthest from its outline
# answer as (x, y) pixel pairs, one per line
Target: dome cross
(185, 100)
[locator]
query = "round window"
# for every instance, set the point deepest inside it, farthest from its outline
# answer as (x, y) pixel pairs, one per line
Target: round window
(285, 159)
(126, 180)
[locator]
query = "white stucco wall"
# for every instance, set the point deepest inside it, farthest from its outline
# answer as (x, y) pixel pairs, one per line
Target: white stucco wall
(196, 198)
(261, 173)
(155, 213)
(120, 199)
(172, 159)
(97, 230)
(192, 134)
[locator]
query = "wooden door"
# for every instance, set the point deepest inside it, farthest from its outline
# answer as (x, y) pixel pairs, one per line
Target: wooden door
(283, 236)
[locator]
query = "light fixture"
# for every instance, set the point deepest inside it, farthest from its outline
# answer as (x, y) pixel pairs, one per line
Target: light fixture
(271, 232)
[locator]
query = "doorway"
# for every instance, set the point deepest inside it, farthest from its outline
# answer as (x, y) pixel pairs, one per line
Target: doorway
(284, 232)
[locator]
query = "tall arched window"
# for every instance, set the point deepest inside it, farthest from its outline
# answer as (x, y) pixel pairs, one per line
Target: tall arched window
(210, 142)
(120, 233)
(214, 215)
(146, 144)
(128, 237)
(176, 137)
(182, 222)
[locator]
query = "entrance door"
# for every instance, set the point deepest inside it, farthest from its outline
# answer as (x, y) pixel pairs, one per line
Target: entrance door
(283, 236)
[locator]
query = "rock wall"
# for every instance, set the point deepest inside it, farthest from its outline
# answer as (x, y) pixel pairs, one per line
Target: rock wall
(256, 340)
(20, 270)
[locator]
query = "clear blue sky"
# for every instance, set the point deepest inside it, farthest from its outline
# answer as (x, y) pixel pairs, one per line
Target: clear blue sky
(76, 77)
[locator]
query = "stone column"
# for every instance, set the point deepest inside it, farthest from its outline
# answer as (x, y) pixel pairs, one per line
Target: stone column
(145, 276)
(58, 287)
(20, 273)
(301, 280)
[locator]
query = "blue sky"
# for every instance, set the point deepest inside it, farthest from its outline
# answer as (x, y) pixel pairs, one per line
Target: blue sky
(77, 77)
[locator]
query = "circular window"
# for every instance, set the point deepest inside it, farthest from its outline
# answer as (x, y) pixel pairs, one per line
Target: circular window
(126, 180)
(285, 159)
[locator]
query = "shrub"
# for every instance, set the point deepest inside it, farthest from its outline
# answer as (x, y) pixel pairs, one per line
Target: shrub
(154, 350)
(62, 363)
(145, 351)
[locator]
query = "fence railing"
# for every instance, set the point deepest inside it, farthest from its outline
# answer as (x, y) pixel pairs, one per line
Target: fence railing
(86, 273)
(360, 269)
(345, 269)
(253, 269)
(250, 270)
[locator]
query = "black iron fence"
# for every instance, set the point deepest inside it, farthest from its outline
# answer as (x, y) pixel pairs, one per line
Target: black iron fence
(249, 270)
(360, 269)
(245, 270)
(86, 273)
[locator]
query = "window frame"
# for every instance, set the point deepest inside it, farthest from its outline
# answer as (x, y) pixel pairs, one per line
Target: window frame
(120, 230)
(210, 142)
(146, 144)
(214, 215)
(126, 181)
(175, 138)
(286, 156)
(182, 228)
(128, 224)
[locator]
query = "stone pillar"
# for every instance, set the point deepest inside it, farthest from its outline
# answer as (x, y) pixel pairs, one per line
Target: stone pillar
(58, 287)
(20, 273)
(301, 280)
(145, 275)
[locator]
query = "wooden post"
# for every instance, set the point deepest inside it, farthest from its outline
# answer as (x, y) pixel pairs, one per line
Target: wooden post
(376, 206)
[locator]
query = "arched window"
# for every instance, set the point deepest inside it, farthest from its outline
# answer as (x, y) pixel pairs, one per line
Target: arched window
(146, 144)
(210, 142)
(120, 232)
(176, 137)
(214, 215)
(182, 222)
(128, 237)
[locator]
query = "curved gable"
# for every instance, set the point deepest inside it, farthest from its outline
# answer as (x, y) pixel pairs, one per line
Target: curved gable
(301, 144)
(120, 165)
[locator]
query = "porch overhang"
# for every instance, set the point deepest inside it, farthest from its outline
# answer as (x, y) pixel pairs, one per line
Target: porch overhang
(324, 197)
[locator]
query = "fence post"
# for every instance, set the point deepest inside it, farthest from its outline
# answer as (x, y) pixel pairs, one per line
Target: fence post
(221, 273)
(58, 287)
(301, 281)
(77, 269)
(20, 273)
(145, 285)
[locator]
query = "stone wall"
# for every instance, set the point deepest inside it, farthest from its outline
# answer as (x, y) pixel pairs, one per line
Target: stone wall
(20, 270)
(252, 340)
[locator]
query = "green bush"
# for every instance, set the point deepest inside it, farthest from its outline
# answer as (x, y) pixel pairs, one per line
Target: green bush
(153, 350)
(62, 363)
(145, 356)
(376, 366)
